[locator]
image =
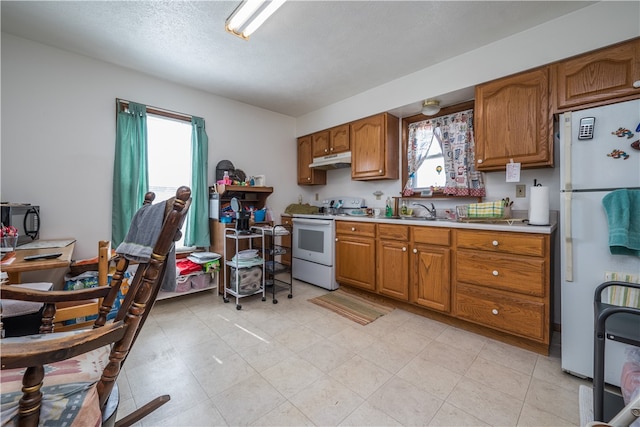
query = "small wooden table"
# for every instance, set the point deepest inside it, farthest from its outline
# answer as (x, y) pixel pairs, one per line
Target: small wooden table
(19, 265)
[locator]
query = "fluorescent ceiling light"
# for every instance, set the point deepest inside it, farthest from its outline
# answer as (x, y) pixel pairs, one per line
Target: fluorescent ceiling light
(250, 15)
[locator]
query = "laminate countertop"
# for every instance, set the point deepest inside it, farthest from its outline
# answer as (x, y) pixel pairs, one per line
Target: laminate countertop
(518, 224)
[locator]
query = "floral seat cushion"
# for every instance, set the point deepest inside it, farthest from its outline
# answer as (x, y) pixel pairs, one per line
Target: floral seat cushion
(69, 395)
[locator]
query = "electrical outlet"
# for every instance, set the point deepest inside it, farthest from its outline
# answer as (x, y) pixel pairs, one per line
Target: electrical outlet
(521, 190)
(317, 197)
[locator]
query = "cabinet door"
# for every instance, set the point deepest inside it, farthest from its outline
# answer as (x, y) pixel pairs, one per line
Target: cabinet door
(374, 148)
(306, 175)
(513, 121)
(339, 139)
(355, 262)
(431, 271)
(594, 78)
(393, 269)
(320, 143)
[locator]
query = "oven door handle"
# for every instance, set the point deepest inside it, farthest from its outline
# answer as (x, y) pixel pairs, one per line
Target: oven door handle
(302, 221)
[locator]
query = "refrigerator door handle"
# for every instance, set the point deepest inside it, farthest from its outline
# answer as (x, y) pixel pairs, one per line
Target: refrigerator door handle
(566, 140)
(568, 240)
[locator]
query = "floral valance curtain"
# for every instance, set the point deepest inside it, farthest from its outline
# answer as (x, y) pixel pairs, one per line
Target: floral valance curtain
(454, 133)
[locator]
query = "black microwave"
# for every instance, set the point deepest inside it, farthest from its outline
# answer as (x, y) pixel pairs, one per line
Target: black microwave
(25, 218)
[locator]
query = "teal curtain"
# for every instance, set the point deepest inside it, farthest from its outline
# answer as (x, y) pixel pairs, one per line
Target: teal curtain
(130, 171)
(197, 229)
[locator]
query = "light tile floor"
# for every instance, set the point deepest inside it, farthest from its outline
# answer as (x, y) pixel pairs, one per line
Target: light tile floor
(297, 364)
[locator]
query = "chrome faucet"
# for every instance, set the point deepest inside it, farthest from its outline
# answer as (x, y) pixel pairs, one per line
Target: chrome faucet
(432, 211)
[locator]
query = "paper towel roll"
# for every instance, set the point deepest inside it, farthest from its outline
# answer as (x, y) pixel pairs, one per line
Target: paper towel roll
(539, 205)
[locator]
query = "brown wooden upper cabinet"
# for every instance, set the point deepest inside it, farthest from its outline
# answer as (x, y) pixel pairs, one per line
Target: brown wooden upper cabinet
(307, 175)
(331, 141)
(596, 77)
(513, 121)
(374, 148)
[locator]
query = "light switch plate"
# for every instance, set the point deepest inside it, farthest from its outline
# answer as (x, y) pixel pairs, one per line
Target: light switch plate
(521, 190)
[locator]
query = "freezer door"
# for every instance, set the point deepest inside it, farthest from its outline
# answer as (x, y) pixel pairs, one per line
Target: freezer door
(593, 163)
(591, 262)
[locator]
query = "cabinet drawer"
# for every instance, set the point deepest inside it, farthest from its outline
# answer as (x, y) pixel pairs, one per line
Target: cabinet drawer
(432, 235)
(514, 243)
(393, 232)
(510, 273)
(356, 228)
(518, 316)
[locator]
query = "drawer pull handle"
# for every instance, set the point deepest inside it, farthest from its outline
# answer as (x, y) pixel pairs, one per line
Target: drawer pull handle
(495, 272)
(353, 229)
(404, 249)
(415, 251)
(494, 311)
(336, 239)
(495, 243)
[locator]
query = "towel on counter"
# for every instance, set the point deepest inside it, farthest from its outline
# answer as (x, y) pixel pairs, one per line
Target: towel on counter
(142, 236)
(485, 210)
(298, 208)
(623, 216)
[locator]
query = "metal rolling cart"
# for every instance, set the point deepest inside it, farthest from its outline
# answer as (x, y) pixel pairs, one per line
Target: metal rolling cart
(244, 273)
(277, 269)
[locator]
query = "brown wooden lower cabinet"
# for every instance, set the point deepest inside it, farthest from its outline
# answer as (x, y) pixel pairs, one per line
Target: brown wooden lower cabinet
(393, 269)
(497, 280)
(356, 254)
(431, 270)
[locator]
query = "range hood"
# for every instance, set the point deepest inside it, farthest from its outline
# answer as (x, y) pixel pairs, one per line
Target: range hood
(332, 161)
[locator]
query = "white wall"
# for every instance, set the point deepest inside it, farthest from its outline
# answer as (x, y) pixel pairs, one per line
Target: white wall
(58, 135)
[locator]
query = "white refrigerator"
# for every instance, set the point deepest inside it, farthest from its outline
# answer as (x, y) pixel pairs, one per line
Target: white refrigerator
(590, 169)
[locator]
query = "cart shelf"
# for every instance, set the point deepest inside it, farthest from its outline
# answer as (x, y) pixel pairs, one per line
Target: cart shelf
(244, 277)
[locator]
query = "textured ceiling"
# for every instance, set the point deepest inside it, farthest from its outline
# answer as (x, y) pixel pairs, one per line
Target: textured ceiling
(308, 55)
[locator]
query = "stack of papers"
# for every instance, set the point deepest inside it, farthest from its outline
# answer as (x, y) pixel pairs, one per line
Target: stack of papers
(203, 257)
(247, 258)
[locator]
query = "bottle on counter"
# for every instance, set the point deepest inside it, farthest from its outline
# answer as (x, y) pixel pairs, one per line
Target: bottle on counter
(389, 209)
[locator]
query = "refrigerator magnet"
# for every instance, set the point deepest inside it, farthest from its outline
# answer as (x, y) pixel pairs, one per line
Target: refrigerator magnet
(618, 154)
(622, 132)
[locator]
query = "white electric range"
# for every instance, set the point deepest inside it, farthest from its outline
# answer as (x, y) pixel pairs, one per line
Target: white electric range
(313, 259)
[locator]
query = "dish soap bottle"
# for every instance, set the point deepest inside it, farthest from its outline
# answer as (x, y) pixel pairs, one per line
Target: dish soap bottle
(389, 210)
(403, 209)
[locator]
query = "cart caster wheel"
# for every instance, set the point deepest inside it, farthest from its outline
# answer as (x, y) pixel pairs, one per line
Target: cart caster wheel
(264, 298)
(238, 307)
(290, 296)
(275, 301)
(226, 300)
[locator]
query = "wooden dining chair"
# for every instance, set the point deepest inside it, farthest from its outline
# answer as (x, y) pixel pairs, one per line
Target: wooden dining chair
(71, 375)
(83, 313)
